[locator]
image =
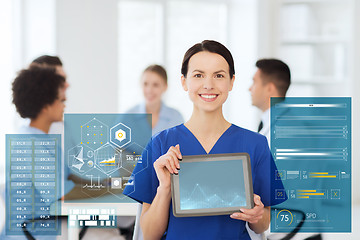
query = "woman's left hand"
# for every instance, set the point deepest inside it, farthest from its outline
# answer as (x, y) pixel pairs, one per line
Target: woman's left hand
(251, 215)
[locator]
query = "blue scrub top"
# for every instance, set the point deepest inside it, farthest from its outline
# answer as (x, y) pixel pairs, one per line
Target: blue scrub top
(234, 140)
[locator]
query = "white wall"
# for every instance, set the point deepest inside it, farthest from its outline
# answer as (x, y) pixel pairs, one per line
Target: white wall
(87, 43)
(243, 39)
(356, 107)
(6, 75)
(37, 28)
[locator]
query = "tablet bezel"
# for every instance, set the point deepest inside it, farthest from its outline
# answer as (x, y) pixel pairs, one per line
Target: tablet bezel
(175, 190)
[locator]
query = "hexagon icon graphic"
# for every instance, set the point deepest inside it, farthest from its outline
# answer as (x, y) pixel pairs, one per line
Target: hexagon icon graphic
(133, 155)
(107, 158)
(120, 135)
(94, 133)
(126, 179)
(80, 159)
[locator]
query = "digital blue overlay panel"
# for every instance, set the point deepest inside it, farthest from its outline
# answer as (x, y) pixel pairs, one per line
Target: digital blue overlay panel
(33, 183)
(311, 146)
(220, 185)
(101, 150)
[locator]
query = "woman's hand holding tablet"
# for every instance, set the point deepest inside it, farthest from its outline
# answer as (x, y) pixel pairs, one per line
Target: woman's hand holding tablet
(251, 215)
(168, 164)
(258, 217)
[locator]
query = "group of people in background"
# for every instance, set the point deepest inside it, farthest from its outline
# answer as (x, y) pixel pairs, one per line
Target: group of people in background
(39, 93)
(208, 74)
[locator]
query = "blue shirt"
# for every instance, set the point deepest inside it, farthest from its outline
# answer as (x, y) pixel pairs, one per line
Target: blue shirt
(168, 117)
(30, 130)
(233, 140)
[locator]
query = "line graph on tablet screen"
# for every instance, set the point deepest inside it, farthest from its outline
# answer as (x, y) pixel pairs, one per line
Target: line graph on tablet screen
(205, 197)
(219, 186)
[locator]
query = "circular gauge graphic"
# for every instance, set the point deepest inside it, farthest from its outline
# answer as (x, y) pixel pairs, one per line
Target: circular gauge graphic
(285, 217)
(90, 163)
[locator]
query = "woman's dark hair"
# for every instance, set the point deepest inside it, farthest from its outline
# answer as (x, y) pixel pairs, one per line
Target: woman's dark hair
(160, 70)
(48, 60)
(208, 46)
(35, 88)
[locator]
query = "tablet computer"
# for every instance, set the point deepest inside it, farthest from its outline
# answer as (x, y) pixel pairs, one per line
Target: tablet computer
(212, 184)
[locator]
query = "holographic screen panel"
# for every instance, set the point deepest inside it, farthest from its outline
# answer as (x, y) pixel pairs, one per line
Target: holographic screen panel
(33, 184)
(101, 150)
(311, 146)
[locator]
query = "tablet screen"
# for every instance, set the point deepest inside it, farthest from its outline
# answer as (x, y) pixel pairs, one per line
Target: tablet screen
(211, 184)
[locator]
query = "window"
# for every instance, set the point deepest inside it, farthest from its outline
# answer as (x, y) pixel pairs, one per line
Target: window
(28, 30)
(160, 31)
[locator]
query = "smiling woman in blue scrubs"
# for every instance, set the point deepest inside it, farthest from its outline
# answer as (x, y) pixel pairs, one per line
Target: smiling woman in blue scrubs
(208, 76)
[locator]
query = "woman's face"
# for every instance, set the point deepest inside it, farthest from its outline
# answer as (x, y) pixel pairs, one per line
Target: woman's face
(55, 111)
(153, 86)
(208, 81)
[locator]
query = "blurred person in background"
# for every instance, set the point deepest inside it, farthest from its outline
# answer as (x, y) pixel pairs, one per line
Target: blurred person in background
(154, 85)
(272, 79)
(39, 95)
(51, 61)
(55, 62)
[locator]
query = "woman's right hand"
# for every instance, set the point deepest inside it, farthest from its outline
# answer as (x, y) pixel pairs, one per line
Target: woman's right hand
(168, 164)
